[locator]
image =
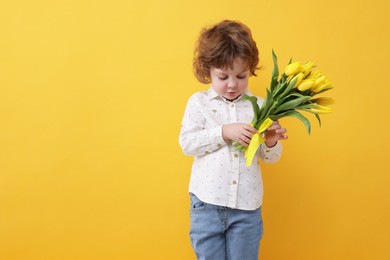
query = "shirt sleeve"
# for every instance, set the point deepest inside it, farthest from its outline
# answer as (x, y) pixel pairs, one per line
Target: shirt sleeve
(270, 154)
(195, 139)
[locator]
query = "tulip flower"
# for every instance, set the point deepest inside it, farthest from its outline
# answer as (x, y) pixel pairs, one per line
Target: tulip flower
(320, 80)
(321, 110)
(306, 68)
(323, 86)
(293, 68)
(323, 101)
(297, 77)
(306, 84)
(314, 75)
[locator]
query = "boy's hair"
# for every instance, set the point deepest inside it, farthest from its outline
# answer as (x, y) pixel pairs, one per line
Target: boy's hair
(219, 45)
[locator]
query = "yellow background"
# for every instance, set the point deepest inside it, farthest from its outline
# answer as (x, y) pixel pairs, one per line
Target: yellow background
(92, 95)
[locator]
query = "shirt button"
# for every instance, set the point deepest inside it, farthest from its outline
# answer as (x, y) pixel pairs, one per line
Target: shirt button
(267, 151)
(235, 155)
(234, 182)
(232, 105)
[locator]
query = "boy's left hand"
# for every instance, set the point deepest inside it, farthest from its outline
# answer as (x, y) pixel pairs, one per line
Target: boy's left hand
(274, 133)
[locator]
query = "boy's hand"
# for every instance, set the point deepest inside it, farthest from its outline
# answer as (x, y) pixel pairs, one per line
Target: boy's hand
(241, 133)
(274, 133)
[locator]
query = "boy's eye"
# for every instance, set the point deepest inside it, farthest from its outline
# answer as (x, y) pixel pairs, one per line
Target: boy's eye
(241, 77)
(223, 78)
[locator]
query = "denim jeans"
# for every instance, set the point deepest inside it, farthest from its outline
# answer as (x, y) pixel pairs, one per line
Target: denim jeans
(222, 233)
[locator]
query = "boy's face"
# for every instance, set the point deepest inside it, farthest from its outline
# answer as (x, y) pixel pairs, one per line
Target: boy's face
(230, 83)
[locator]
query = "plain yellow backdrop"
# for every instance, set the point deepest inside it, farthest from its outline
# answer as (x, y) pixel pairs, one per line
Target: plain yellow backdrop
(92, 95)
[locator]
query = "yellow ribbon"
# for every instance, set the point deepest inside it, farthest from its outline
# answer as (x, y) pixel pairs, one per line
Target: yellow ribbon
(256, 141)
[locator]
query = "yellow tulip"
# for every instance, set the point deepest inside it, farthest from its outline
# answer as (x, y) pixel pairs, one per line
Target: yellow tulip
(320, 80)
(306, 68)
(298, 78)
(324, 85)
(293, 68)
(324, 101)
(314, 75)
(321, 110)
(306, 84)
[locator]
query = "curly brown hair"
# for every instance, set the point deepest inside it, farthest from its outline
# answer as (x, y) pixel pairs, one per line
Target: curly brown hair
(220, 44)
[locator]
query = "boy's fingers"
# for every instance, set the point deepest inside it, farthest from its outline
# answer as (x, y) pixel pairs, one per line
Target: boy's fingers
(247, 137)
(281, 130)
(249, 134)
(275, 125)
(244, 141)
(250, 128)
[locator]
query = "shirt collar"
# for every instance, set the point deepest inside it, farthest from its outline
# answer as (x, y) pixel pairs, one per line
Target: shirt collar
(212, 94)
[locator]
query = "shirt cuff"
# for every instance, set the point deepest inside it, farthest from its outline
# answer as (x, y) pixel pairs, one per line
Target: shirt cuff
(271, 154)
(216, 133)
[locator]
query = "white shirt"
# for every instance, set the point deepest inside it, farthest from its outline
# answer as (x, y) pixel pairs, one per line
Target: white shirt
(219, 175)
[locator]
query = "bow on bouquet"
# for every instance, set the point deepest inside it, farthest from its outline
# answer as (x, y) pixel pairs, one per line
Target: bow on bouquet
(294, 90)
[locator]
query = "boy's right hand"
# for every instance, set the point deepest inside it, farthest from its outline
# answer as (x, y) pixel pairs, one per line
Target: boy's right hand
(241, 133)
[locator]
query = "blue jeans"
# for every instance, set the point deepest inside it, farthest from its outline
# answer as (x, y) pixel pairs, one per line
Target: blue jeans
(222, 233)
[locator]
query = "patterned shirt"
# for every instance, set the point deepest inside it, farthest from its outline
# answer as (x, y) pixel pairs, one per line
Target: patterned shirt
(219, 175)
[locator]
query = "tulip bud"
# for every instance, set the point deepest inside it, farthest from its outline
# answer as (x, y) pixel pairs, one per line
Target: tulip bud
(322, 86)
(314, 75)
(320, 80)
(323, 101)
(298, 78)
(306, 68)
(321, 110)
(306, 84)
(293, 68)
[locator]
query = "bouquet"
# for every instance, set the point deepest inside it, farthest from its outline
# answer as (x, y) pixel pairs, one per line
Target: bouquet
(295, 90)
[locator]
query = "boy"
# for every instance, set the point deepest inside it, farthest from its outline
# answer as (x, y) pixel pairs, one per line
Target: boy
(226, 196)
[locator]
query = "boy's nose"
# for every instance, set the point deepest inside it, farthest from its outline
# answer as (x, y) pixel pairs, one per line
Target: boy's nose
(232, 83)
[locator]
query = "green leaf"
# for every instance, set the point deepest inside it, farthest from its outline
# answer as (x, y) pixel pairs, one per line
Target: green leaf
(284, 113)
(318, 118)
(255, 107)
(278, 88)
(275, 72)
(303, 119)
(289, 96)
(288, 89)
(280, 115)
(292, 104)
(306, 106)
(266, 105)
